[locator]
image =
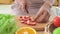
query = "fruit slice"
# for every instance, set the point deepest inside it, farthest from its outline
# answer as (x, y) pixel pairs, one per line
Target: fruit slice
(27, 20)
(32, 23)
(26, 30)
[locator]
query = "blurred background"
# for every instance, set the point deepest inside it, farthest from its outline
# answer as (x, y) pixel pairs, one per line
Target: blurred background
(6, 1)
(56, 2)
(5, 7)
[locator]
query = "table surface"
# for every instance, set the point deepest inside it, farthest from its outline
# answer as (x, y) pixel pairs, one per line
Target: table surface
(6, 9)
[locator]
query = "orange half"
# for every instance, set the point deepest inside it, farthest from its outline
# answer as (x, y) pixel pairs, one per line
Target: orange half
(26, 30)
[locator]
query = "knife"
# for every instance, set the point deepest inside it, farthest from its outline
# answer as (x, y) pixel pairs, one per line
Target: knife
(26, 9)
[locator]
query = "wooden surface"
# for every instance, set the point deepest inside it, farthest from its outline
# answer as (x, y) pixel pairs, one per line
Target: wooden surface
(40, 32)
(8, 7)
(38, 26)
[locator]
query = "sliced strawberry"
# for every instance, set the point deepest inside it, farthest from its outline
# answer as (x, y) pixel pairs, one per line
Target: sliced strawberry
(32, 23)
(24, 17)
(20, 16)
(25, 22)
(29, 19)
(28, 22)
(22, 21)
(27, 16)
(32, 20)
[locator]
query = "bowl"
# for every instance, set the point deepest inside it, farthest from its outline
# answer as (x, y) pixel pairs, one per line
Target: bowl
(49, 28)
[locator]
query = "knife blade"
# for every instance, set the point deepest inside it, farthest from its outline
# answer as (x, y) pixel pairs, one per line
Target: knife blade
(26, 9)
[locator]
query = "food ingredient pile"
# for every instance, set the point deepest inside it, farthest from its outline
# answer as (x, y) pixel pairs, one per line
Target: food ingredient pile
(7, 24)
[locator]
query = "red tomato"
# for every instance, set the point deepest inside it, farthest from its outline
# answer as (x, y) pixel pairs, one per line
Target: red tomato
(56, 21)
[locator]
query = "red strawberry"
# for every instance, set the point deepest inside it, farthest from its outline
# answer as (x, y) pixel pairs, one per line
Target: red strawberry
(20, 16)
(25, 22)
(22, 21)
(30, 19)
(24, 17)
(28, 22)
(32, 23)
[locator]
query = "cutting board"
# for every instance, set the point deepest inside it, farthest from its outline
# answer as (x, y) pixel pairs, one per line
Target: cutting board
(37, 27)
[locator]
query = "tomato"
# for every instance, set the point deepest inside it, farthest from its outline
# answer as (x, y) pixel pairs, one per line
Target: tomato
(56, 21)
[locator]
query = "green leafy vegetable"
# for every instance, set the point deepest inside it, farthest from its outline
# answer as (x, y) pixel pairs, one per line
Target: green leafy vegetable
(7, 24)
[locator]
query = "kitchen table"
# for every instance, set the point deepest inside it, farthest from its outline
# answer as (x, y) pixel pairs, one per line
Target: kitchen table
(6, 9)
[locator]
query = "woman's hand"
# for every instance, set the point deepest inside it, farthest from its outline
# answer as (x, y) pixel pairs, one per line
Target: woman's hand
(42, 15)
(22, 4)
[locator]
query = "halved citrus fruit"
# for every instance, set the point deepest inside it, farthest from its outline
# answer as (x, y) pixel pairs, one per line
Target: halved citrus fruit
(26, 30)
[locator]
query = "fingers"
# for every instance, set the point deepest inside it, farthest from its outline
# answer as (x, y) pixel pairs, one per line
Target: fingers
(38, 15)
(46, 18)
(22, 7)
(40, 12)
(42, 17)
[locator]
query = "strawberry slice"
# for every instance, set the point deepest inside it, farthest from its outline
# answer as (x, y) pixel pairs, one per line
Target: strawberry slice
(32, 23)
(30, 19)
(27, 20)
(21, 16)
(22, 21)
(25, 17)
